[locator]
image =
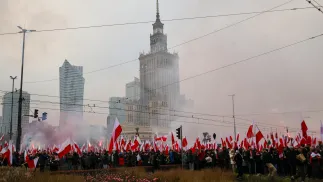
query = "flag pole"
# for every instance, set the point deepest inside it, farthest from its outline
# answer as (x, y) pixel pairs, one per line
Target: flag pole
(321, 131)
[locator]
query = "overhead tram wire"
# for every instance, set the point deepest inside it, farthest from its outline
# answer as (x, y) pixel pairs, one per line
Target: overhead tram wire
(175, 115)
(225, 122)
(193, 39)
(237, 62)
(165, 20)
(188, 112)
(203, 114)
(206, 119)
(318, 6)
(244, 60)
(180, 44)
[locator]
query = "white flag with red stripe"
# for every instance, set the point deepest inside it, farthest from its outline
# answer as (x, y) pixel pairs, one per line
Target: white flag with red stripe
(66, 147)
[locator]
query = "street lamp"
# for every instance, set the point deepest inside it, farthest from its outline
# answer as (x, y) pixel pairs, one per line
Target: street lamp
(234, 118)
(23, 31)
(13, 85)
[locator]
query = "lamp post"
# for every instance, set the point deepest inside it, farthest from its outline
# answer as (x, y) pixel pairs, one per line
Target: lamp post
(234, 118)
(13, 85)
(23, 31)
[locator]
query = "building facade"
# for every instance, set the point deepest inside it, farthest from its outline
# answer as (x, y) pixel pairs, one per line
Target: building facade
(71, 91)
(117, 109)
(133, 90)
(6, 111)
(159, 79)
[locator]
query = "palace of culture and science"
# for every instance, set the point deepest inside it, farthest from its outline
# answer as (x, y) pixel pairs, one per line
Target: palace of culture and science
(159, 91)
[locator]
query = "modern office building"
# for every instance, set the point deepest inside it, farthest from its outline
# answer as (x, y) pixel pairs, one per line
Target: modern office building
(71, 91)
(6, 112)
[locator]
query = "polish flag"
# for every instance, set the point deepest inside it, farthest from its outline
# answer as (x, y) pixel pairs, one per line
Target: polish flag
(8, 153)
(184, 143)
(147, 146)
(228, 143)
(117, 130)
(66, 147)
(136, 143)
(111, 145)
(304, 129)
(250, 133)
(6, 144)
(31, 163)
(157, 138)
(238, 136)
(173, 139)
(164, 138)
(2, 137)
(55, 149)
(77, 148)
(259, 136)
(166, 150)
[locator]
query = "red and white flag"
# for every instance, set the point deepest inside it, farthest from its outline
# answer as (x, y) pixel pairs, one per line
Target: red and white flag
(164, 138)
(2, 137)
(32, 163)
(66, 147)
(250, 132)
(8, 153)
(259, 136)
(77, 149)
(184, 143)
(173, 139)
(117, 130)
(304, 129)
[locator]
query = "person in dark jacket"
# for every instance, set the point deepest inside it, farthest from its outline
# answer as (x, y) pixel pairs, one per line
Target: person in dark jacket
(105, 160)
(75, 161)
(43, 157)
(190, 160)
(300, 165)
(239, 160)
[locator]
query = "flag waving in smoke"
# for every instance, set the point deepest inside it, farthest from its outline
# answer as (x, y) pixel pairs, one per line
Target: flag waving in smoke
(65, 148)
(250, 133)
(304, 129)
(117, 130)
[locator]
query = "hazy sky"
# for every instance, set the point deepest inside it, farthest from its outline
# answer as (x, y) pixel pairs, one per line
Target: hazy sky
(286, 81)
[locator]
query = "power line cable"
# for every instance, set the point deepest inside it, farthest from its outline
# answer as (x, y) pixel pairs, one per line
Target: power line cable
(150, 113)
(165, 20)
(238, 62)
(318, 6)
(180, 44)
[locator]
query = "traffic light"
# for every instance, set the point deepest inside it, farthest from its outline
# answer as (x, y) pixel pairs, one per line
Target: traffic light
(44, 116)
(214, 136)
(36, 113)
(178, 133)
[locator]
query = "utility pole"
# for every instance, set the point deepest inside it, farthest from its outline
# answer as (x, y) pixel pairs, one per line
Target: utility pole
(23, 31)
(13, 85)
(234, 118)
(181, 129)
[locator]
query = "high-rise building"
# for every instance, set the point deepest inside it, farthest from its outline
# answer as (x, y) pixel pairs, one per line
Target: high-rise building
(133, 90)
(117, 109)
(159, 77)
(71, 92)
(6, 111)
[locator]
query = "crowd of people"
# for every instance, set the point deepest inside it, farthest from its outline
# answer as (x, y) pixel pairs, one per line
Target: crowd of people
(299, 162)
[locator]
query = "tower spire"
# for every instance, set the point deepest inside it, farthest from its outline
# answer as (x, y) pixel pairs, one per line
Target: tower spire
(157, 7)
